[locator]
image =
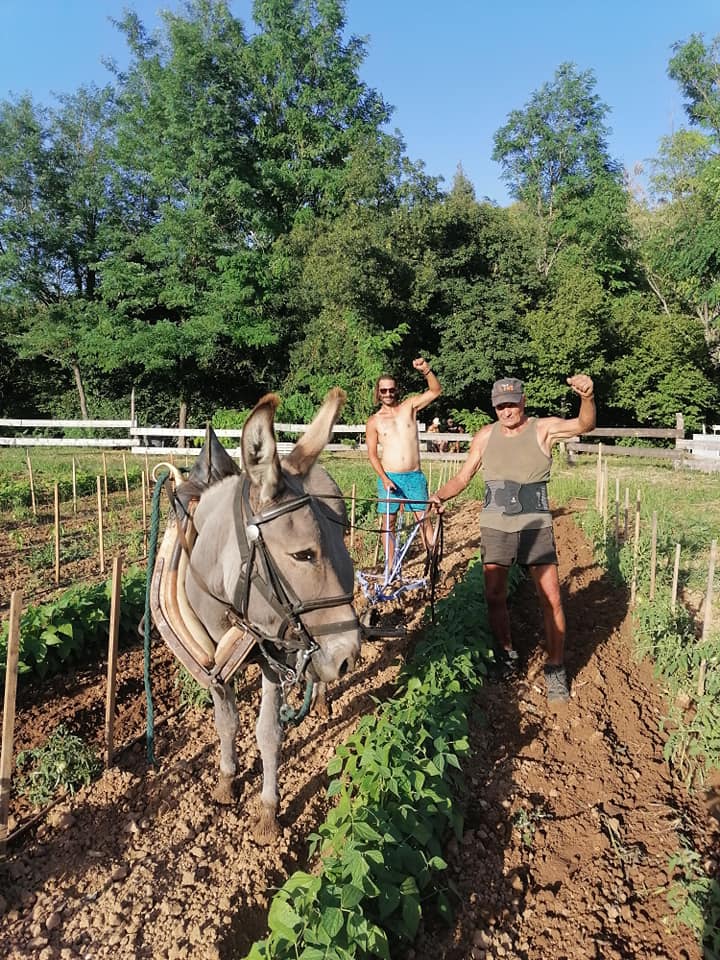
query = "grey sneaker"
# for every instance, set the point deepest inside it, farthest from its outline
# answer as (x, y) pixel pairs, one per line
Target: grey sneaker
(556, 684)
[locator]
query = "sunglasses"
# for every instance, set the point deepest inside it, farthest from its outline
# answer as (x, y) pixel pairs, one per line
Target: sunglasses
(387, 390)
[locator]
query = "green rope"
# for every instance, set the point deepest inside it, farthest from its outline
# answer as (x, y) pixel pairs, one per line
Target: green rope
(152, 551)
(289, 715)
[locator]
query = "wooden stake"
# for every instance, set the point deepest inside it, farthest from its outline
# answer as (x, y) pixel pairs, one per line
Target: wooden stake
(605, 500)
(352, 517)
(430, 476)
(617, 522)
(653, 555)
(598, 479)
(676, 573)
(143, 482)
(127, 484)
(56, 502)
(8, 726)
(707, 616)
(101, 544)
(74, 485)
(633, 588)
(147, 474)
(627, 514)
(113, 628)
(32, 482)
(105, 483)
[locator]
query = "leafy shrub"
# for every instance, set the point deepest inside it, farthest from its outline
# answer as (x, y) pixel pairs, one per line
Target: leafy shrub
(74, 626)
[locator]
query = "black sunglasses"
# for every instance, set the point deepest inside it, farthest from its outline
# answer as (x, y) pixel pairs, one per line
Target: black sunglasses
(387, 390)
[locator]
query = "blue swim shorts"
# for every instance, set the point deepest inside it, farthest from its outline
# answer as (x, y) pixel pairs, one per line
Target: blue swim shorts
(411, 486)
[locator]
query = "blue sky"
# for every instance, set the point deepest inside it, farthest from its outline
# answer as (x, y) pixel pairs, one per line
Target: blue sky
(452, 70)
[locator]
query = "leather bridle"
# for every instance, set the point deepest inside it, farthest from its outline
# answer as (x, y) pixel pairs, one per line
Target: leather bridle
(261, 573)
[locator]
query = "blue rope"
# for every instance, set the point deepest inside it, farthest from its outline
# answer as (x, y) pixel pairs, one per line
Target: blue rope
(152, 552)
(290, 715)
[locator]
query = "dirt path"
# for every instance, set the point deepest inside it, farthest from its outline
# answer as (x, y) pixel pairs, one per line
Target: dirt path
(142, 865)
(572, 813)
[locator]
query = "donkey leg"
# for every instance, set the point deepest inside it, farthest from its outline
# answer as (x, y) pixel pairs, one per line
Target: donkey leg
(269, 737)
(226, 724)
(319, 699)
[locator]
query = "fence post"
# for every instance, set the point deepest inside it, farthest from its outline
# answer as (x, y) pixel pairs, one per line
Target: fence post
(680, 428)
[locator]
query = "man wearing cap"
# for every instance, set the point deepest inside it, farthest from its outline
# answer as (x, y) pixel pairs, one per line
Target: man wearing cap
(516, 524)
(394, 428)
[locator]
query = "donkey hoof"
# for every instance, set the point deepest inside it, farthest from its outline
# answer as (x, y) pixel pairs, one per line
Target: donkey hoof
(223, 792)
(266, 830)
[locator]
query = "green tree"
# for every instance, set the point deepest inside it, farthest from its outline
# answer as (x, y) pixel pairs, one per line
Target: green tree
(566, 335)
(56, 211)
(662, 365)
(555, 160)
(696, 68)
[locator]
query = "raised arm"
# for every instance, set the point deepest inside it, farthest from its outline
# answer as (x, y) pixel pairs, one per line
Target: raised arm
(462, 478)
(432, 390)
(556, 428)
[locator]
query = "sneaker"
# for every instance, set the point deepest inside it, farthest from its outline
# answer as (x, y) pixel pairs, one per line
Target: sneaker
(556, 684)
(503, 665)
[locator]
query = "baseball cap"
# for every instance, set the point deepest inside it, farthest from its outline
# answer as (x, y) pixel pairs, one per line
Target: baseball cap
(507, 390)
(436, 421)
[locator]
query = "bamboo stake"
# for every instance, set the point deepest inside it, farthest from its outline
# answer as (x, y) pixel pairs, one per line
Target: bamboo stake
(598, 478)
(617, 522)
(633, 588)
(101, 544)
(8, 726)
(143, 482)
(105, 480)
(430, 477)
(627, 514)
(74, 485)
(707, 617)
(352, 517)
(56, 503)
(653, 555)
(113, 628)
(147, 473)
(676, 573)
(32, 482)
(605, 500)
(127, 484)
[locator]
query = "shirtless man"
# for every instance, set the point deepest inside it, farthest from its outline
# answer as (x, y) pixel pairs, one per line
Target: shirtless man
(516, 524)
(394, 428)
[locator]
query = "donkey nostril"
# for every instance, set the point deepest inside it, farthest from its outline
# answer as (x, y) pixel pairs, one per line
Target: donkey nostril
(344, 667)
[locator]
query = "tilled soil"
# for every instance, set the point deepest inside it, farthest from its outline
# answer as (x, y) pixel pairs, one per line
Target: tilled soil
(570, 819)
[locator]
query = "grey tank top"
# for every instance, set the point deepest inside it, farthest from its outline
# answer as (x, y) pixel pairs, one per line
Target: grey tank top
(518, 458)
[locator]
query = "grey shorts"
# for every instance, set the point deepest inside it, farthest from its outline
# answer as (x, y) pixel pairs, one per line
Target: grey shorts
(527, 547)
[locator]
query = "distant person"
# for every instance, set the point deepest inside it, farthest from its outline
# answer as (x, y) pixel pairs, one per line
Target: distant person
(434, 427)
(452, 427)
(394, 428)
(516, 524)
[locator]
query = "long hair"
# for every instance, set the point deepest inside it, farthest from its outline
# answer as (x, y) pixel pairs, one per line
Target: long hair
(383, 376)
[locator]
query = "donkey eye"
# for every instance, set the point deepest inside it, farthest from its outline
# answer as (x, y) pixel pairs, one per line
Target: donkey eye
(304, 556)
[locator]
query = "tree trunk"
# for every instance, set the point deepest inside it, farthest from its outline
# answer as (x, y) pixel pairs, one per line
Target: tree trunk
(182, 422)
(81, 392)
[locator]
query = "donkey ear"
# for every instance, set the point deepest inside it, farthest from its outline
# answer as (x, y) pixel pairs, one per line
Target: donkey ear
(311, 444)
(259, 450)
